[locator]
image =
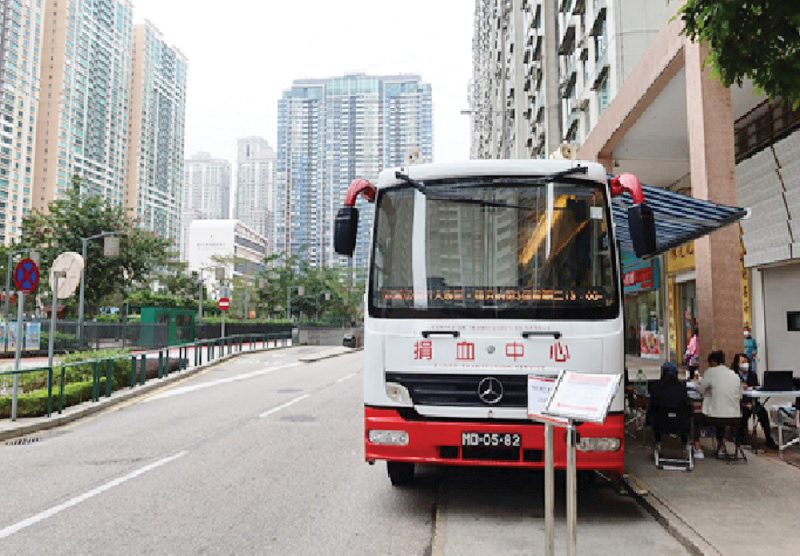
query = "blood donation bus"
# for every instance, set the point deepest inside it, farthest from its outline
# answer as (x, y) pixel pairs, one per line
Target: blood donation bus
(483, 273)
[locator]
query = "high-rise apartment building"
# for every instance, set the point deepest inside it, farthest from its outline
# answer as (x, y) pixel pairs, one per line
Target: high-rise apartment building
(206, 192)
(255, 175)
(84, 107)
(544, 72)
(330, 132)
(20, 53)
(73, 103)
(153, 187)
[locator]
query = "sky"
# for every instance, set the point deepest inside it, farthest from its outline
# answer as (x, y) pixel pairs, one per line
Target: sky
(242, 55)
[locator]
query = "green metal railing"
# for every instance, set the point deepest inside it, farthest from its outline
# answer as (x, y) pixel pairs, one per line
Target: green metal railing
(102, 369)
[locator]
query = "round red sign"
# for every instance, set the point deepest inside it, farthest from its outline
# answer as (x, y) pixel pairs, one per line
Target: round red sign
(224, 304)
(26, 275)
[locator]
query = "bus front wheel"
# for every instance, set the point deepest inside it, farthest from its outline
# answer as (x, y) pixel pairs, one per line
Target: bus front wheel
(400, 473)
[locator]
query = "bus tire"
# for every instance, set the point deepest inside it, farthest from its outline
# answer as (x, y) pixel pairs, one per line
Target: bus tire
(401, 473)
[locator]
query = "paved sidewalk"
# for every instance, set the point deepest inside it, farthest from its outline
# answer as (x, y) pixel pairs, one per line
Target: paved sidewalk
(719, 507)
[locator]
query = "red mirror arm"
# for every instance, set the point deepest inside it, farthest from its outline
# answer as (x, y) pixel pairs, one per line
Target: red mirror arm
(626, 182)
(362, 187)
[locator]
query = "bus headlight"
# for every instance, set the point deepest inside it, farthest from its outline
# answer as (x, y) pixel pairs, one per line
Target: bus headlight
(392, 438)
(587, 444)
(398, 393)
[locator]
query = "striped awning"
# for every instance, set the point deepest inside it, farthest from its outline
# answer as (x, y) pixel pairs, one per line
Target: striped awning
(679, 218)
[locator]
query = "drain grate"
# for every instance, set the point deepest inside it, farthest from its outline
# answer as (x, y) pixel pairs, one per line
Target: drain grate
(23, 441)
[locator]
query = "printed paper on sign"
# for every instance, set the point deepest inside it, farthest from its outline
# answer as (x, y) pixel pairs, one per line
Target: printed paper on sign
(539, 390)
(582, 396)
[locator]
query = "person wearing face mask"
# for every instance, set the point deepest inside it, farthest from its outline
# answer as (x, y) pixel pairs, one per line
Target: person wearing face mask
(750, 348)
(749, 379)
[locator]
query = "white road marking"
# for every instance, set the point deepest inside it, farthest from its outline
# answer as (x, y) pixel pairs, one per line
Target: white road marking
(202, 385)
(285, 405)
(351, 375)
(33, 520)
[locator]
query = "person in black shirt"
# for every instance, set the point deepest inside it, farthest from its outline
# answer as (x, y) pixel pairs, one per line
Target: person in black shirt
(741, 366)
(669, 393)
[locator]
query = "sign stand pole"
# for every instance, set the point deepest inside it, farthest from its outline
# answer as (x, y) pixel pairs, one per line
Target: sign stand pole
(53, 317)
(20, 310)
(549, 492)
(572, 492)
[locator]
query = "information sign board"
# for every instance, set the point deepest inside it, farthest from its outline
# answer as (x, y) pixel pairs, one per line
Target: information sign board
(582, 396)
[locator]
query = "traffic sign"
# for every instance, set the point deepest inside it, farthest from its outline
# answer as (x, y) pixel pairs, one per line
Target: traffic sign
(26, 275)
(224, 304)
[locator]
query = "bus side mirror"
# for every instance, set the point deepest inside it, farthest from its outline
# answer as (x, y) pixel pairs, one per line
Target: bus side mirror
(344, 231)
(642, 226)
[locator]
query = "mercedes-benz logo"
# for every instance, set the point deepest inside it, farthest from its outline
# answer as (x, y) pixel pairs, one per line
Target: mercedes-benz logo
(490, 390)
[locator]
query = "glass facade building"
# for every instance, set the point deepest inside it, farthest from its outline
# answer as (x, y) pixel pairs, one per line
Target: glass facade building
(158, 119)
(84, 113)
(255, 176)
(20, 40)
(330, 132)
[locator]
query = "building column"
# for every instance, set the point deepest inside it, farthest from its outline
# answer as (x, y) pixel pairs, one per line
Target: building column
(713, 165)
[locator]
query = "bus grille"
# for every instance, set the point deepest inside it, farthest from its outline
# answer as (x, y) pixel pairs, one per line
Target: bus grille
(461, 390)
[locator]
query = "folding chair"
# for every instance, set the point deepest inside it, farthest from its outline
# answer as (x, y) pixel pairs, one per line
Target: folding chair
(786, 417)
(734, 427)
(674, 422)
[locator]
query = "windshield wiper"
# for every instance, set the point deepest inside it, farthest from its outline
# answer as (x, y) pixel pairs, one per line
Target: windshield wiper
(540, 179)
(468, 201)
(419, 186)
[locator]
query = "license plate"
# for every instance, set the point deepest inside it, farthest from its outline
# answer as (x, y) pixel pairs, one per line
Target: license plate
(491, 439)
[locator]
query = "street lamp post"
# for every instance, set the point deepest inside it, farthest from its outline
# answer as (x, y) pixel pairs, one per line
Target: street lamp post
(300, 291)
(84, 241)
(327, 298)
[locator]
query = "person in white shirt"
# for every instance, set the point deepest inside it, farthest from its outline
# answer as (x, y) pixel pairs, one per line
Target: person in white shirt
(722, 396)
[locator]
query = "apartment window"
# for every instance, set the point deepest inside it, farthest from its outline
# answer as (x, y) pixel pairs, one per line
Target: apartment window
(602, 97)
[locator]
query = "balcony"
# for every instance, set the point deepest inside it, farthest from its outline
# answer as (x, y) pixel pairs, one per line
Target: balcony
(567, 43)
(537, 49)
(601, 69)
(598, 23)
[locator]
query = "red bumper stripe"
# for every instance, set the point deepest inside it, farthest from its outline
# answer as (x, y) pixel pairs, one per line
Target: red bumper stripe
(437, 442)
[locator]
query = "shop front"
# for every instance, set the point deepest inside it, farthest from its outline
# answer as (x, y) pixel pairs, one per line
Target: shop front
(644, 336)
(681, 298)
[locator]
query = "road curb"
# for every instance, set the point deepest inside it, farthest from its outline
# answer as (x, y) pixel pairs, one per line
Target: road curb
(682, 531)
(328, 355)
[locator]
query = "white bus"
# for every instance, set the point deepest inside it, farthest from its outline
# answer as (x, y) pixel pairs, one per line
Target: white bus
(482, 273)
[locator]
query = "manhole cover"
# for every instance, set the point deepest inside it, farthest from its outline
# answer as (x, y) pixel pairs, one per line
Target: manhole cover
(299, 418)
(289, 390)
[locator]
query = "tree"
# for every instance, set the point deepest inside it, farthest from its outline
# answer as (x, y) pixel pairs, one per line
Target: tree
(76, 216)
(756, 40)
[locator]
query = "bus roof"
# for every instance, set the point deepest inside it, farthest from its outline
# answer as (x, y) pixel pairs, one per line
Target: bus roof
(468, 168)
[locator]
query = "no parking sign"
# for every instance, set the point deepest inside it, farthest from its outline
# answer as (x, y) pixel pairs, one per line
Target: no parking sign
(26, 275)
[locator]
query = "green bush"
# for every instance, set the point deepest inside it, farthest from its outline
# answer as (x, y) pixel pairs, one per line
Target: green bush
(61, 342)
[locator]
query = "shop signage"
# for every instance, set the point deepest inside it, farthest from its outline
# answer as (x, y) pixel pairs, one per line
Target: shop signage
(681, 258)
(639, 276)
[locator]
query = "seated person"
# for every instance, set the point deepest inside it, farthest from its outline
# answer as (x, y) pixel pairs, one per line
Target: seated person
(742, 367)
(722, 398)
(668, 393)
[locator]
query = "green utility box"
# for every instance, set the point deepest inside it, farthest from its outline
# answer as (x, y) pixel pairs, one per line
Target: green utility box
(166, 326)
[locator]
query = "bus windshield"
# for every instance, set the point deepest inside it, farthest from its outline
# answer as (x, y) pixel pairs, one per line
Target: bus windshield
(493, 248)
